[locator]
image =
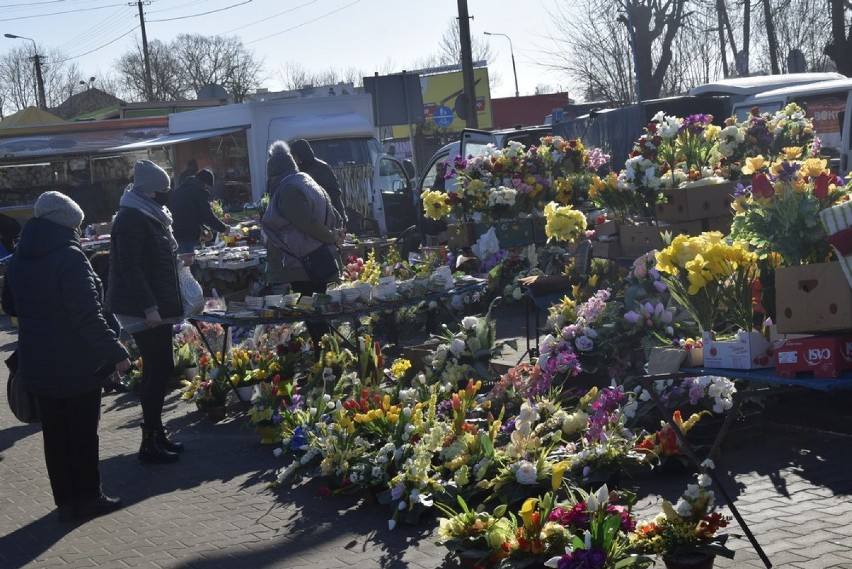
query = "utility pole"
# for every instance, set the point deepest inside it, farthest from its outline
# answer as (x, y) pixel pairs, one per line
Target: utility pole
(467, 65)
(149, 89)
(42, 101)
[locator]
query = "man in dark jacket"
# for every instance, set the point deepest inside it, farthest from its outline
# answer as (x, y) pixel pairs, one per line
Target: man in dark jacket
(321, 172)
(190, 207)
(64, 348)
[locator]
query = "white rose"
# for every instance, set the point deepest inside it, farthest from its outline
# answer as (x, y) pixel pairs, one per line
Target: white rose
(469, 322)
(457, 347)
(526, 473)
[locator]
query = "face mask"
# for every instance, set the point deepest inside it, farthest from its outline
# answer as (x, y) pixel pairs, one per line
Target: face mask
(161, 198)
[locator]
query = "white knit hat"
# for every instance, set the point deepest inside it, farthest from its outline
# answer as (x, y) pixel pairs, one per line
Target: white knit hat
(58, 208)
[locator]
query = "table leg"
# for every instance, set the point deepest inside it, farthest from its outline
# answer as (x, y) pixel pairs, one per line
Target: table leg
(226, 328)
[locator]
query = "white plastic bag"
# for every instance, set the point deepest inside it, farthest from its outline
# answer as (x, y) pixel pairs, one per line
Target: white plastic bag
(191, 292)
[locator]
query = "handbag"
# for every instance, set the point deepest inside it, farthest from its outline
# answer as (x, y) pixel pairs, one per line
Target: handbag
(321, 264)
(191, 293)
(23, 404)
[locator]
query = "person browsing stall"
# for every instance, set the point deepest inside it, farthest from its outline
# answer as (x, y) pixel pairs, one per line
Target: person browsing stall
(299, 221)
(144, 295)
(190, 208)
(321, 173)
(65, 348)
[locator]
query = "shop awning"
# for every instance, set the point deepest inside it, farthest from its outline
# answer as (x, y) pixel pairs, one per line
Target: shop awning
(169, 139)
(81, 142)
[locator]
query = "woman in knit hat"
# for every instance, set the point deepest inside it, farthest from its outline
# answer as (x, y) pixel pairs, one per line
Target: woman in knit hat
(300, 219)
(65, 348)
(144, 295)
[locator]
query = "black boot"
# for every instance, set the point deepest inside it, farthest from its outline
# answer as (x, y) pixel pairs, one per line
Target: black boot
(151, 450)
(164, 442)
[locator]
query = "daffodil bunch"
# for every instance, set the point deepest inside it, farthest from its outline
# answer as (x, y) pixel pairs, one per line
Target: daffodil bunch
(564, 223)
(711, 279)
(607, 193)
(436, 204)
(687, 528)
(399, 368)
(779, 211)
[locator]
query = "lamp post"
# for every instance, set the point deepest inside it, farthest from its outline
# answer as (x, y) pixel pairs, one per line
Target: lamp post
(512, 52)
(42, 103)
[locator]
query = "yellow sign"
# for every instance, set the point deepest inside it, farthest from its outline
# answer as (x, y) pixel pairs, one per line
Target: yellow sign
(439, 99)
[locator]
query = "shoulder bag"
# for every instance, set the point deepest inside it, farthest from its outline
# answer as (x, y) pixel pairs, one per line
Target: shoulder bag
(23, 404)
(320, 264)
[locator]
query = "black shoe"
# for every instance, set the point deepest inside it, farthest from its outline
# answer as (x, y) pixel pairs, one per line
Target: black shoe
(166, 443)
(98, 507)
(152, 451)
(67, 512)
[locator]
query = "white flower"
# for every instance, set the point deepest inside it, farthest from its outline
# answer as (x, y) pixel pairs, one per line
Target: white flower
(457, 347)
(683, 509)
(277, 452)
(704, 480)
(708, 464)
(469, 322)
(526, 473)
(391, 524)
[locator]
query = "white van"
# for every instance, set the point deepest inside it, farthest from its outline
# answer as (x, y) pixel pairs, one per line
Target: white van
(827, 103)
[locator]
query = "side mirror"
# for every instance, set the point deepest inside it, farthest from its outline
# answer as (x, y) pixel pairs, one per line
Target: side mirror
(408, 166)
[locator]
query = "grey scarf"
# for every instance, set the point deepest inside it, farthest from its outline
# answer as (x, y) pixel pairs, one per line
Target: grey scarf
(145, 204)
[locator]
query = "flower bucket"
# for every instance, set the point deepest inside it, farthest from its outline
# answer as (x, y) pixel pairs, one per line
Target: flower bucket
(244, 393)
(695, 560)
(217, 413)
(190, 372)
(269, 435)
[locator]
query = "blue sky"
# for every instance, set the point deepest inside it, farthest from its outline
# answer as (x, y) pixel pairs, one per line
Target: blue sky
(318, 34)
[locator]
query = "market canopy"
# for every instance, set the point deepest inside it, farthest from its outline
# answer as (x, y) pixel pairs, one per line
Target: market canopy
(73, 142)
(29, 117)
(169, 139)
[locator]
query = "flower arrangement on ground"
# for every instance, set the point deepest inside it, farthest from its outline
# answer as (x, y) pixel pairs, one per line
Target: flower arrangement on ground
(688, 530)
(210, 388)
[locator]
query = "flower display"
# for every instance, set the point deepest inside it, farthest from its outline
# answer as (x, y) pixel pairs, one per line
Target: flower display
(564, 223)
(779, 211)
(711, 279)
(691, 527)
(436, 204)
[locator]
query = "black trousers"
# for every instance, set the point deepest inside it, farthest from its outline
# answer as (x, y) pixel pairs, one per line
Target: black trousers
(158, 364)
(307, 288)
(70, 430)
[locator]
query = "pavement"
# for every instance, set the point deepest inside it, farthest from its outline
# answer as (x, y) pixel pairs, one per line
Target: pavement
(214, 508)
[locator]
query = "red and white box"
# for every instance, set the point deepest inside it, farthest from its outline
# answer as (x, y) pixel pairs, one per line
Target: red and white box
(822, 356)
(747, 350)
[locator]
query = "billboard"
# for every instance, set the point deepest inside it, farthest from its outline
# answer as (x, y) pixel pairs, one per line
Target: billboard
(439, 98)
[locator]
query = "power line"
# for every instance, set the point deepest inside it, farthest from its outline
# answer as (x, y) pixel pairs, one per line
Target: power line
(130, 31)
(174, 7)
(61, 13)
(93, 34)
(270, 17)
(303, 24)
(202, 13)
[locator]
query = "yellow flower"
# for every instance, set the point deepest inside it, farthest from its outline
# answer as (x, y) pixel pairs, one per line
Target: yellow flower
(711, 132)
(558, 472)
(754, 164)
(527, 511)
(813, 167)
(399, 367)
(792, 152)
(435, 204)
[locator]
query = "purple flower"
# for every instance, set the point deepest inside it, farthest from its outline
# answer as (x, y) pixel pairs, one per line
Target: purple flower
(632, 317)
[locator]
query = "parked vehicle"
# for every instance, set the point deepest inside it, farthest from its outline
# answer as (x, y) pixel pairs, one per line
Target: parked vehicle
(827, 103)
(615, 130)
(341, 131)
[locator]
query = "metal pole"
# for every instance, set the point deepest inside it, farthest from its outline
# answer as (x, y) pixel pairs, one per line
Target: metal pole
(149, 89)
(512, 52)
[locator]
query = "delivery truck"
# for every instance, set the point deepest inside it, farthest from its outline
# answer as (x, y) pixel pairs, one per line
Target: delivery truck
(377, 188)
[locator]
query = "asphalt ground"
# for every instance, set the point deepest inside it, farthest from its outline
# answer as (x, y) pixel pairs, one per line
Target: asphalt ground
(214, 508)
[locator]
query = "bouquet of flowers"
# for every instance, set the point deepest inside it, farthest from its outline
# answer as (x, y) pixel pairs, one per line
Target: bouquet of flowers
(564, 223)
(779, 211)
(210, 388)
(711, 279)
(687, 531)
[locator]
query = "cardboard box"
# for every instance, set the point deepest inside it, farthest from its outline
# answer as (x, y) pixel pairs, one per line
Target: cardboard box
(822, 356)
(812, 298)
(609, 227)
(696, 202)
(721, 223)
(606, 249)
(747, 350)
(636, 240)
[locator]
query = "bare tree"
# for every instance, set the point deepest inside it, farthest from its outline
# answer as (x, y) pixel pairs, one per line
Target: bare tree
(17, 78)
(840, 46)
(696, 53)
(221, 60)
(167, 75)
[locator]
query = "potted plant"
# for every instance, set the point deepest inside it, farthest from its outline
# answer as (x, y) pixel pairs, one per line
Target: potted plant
(686, 535)
(209, 390)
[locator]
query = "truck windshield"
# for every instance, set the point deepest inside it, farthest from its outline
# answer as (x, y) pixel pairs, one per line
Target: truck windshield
(340, 151)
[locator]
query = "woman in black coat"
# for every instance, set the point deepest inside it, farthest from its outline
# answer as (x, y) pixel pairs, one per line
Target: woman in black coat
(144, 295)
(65, 347)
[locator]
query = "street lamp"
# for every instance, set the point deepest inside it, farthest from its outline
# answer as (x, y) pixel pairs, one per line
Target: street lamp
(37, 59)
(512, 51)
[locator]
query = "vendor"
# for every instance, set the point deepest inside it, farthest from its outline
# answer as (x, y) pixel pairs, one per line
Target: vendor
(190, 207)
